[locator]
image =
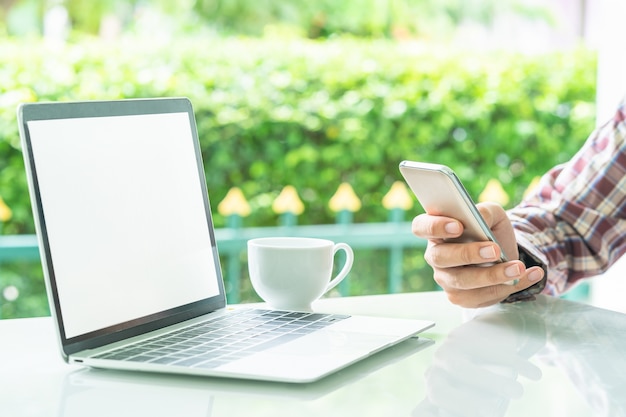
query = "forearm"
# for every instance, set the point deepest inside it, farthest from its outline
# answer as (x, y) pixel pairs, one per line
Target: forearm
(559, 247)
(575, 221)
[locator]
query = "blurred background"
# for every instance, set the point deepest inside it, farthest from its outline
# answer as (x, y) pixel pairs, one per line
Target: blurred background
(315, 103)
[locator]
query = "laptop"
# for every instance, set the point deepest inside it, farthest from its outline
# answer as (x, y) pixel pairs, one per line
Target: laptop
(130, 259)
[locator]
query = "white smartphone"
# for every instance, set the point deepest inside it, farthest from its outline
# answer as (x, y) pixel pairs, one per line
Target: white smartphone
(441, 193)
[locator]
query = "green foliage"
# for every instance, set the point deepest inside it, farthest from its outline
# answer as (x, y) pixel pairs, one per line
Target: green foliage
(22, 290)
(315, 114)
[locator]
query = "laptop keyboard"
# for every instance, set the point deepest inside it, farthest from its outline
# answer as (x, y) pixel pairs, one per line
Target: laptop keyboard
(224, 339)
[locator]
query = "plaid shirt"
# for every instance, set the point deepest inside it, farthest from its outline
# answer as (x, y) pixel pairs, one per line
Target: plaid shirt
(575, 221)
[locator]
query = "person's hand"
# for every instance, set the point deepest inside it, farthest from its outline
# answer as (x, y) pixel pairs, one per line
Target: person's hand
(459, 268)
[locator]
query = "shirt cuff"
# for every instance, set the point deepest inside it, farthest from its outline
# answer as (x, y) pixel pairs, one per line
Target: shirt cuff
(528, 294)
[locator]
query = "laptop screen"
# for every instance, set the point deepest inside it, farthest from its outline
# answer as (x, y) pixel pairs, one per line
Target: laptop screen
(123, 207)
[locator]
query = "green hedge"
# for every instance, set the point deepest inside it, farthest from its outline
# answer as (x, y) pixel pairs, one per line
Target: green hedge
(272, 113)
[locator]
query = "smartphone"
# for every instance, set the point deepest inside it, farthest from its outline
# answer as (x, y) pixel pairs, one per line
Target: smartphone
(441, 193)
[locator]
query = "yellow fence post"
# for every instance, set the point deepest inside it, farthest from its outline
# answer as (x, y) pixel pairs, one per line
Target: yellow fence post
(5, 213)
(397, 201)
(234, 207)
(288, 205)
(344, 203)
(495, 193)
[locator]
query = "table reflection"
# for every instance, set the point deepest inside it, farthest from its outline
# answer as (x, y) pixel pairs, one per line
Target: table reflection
(481, 369)
(100, 393)
(476, 370)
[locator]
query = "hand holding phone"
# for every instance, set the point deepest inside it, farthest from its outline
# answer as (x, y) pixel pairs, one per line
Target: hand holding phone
(441, 193)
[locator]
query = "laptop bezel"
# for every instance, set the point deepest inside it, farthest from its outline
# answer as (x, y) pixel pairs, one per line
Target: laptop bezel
(88, 109)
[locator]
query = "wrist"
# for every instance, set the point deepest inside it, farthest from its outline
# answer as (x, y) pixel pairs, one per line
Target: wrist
(528, 294)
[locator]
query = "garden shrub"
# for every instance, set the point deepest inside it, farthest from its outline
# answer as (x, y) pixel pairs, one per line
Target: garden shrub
(314, 114)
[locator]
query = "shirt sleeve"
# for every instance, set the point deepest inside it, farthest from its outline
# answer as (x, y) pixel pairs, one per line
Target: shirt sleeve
(575, 220)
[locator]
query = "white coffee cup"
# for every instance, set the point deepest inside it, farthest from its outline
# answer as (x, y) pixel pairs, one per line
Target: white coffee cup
(289, 273)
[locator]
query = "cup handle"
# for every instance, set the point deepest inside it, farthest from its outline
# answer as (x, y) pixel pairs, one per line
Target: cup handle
(346, 266)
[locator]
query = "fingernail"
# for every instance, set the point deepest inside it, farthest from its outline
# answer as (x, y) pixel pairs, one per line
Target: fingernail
(452, 228)
(488, 252)
(512, 271)
(535, 276)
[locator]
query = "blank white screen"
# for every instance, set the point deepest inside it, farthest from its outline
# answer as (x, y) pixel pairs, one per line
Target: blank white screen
(125, 216)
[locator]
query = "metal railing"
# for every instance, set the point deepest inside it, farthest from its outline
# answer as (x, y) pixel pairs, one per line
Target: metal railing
(394, 235)
(232, 244)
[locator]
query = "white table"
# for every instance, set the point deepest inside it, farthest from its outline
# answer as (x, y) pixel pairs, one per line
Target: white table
(544, 358)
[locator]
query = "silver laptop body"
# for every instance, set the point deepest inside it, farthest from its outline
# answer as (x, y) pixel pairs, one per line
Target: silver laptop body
(130, 259)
